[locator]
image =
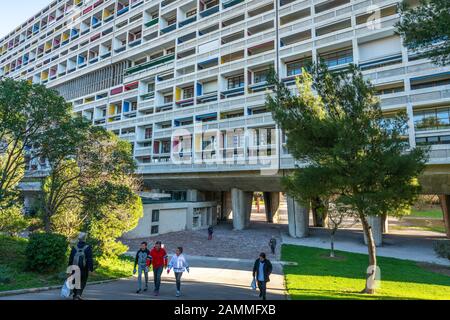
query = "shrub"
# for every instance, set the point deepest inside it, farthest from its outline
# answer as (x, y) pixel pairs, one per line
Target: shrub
(47, 252)
(6, 275)
(442, 248)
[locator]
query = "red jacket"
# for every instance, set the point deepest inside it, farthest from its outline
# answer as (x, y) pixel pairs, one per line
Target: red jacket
(158, 258)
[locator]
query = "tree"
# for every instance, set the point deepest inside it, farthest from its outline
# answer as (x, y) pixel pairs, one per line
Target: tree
(335, 127)
(28, 115)
(337, 216)
(425, 29)
(91, 186)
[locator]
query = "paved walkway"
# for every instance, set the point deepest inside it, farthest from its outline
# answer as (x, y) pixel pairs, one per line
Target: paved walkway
(410, 245)
(209, 279)
(228, 243)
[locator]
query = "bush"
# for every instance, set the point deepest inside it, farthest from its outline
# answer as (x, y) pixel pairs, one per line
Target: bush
(5, 275)
(442, 248)
(47, 252)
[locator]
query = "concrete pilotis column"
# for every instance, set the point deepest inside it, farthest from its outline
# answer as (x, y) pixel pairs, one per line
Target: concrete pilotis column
(272, 204)
(445, 205)
(298, 217)
(376, 223)
(227, 207)
(242, 208)
(195, 195)
(385, 220)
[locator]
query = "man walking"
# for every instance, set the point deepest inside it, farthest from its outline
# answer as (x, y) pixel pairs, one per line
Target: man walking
(273, 244)
(158, 258)
(81, 256)
(141, 262)
(261, 272)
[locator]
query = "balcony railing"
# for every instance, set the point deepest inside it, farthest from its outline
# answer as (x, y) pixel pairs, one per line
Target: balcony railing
(169, 28)
(152, 22)
(210, 11)
(151, 64)
(187, 21)
(230, 3)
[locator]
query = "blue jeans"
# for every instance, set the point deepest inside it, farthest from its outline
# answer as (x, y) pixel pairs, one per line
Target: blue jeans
(142, 270)
(157, 277)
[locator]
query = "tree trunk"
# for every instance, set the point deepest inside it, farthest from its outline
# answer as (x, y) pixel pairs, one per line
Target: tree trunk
(319, 213)
(370, 276)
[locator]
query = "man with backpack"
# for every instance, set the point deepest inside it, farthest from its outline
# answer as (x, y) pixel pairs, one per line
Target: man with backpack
(81, 256)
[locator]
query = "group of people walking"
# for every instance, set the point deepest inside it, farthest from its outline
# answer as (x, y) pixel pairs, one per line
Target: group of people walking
(158, 259)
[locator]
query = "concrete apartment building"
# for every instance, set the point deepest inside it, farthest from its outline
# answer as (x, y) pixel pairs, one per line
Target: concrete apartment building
(185, 82)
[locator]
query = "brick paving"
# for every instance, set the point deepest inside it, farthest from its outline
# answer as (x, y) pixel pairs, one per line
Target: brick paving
(226, 243)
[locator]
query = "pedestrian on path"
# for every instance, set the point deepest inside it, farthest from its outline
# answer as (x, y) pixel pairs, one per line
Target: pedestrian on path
(142, 256)
(179, 265)
(158, 258)
(81, 257)
(210, 232)
(261, 273)
(273, 244)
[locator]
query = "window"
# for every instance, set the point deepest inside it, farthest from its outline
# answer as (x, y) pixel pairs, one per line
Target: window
(433, 119)
(168, 99)
(236, 82)
(336, 58)
(294, 68)
(148, 133)
(191, 13)
(155, 216)
(155, 229)
(165, 147)
(261, 76)
(188, 93)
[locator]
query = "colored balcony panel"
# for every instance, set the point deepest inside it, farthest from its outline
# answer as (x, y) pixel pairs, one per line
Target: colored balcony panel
(168, 29)
(117, 91)
(152, 22)
(210, 11)
(187, 21)
(150, 64)
(122, 11)
(231, 3)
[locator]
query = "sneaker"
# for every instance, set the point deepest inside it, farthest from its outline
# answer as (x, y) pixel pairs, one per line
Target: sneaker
(146, 289)
(139, 291)
(156, 293)
(178, 294)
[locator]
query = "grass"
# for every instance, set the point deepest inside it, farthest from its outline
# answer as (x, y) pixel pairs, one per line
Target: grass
(427, 213)
(319, 277)
(14, 274)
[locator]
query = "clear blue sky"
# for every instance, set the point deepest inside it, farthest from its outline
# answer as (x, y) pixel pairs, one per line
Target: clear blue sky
(15, 12)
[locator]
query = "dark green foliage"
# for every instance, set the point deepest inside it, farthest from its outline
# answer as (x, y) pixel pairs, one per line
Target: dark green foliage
(426, 29)
(442, 248)
(46, 252)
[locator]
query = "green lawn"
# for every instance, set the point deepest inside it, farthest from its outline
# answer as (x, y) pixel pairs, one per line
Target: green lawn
(319, 277)
(13, 274)
(428, 213)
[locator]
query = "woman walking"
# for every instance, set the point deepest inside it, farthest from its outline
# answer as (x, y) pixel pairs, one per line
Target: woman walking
(179, 265)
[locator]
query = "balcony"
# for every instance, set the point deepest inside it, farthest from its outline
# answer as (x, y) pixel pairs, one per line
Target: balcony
(261, 86)
(210, 11)
(230, 3)
(207, 97)
(152, 22)
(151, 64)
(148, 96)
(187, 21)
(234, 92)
(168, 29)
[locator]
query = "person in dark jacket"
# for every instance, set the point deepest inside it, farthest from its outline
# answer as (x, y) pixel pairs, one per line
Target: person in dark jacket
(273, 244)
(142, 256)
(261, 272)
(81, 256)
(210, 232)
